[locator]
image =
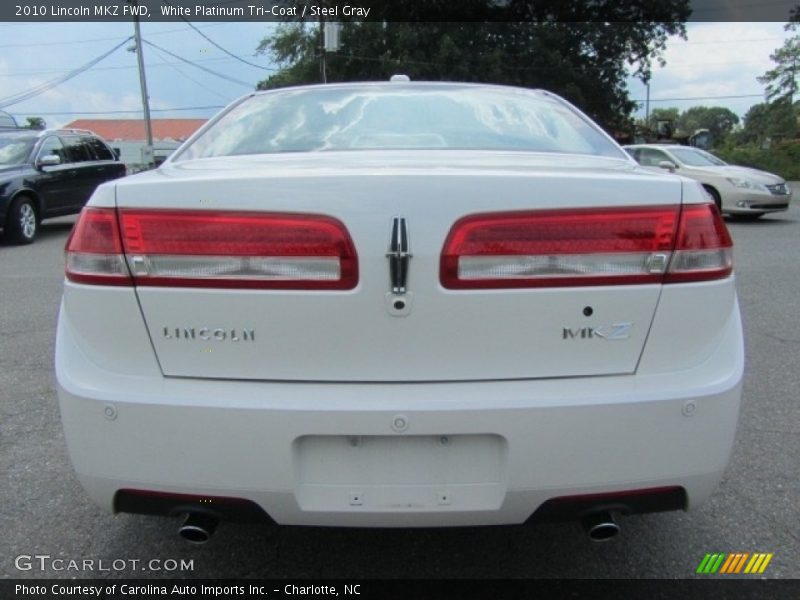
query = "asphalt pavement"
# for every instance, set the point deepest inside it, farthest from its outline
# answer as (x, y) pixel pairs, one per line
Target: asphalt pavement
(44, 511)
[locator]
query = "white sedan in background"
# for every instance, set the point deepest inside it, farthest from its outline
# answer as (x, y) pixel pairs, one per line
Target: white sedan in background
(735, 190)
(399, 304)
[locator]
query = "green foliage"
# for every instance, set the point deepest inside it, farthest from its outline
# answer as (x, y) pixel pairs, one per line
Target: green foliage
(663, 114)
(586, 62)
(782, 158)
(718, 120)
(781, 80)
(763, 122)
(35, 123)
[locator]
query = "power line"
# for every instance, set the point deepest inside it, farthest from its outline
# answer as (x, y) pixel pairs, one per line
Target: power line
(207, 70)
(194, 81)
(48, 85)
(216, 45)
(114, 68)
(92, 40)
(703, 98)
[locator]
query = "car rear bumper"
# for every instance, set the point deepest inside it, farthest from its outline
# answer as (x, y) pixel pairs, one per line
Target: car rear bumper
(413, 454)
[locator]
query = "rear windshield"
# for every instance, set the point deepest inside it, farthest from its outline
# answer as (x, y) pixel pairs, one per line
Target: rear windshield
(15, 149)
(381, 118)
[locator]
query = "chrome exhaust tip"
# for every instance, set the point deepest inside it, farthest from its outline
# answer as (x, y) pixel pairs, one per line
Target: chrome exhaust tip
(600, 526)
(198, 528)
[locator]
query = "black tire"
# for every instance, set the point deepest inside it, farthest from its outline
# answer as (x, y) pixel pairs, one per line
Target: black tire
(22, 222)
(714, 196)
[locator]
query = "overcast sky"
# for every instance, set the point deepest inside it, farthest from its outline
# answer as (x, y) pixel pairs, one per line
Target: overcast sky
(716, 62)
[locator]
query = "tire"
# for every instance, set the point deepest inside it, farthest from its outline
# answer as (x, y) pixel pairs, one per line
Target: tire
(714, 196)
(22, 223)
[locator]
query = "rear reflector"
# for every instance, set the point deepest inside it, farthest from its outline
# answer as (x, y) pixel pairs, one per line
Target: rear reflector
(173, 248)
(580, 247)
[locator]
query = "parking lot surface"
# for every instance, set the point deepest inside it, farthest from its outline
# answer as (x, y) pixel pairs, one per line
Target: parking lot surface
(43, 510)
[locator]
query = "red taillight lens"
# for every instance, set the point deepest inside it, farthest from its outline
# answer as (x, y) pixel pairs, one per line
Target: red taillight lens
(580, 247)
(703, 248)
(94, 250)
(234, 250)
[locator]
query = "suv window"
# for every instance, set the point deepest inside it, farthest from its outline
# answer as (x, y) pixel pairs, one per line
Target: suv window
(53, 145)
(77, 150)
(100, 150)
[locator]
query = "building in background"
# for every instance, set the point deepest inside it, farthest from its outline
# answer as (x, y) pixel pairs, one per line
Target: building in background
(128, 135)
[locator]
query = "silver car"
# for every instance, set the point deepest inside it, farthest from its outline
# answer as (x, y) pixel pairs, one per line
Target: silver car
(735, 190)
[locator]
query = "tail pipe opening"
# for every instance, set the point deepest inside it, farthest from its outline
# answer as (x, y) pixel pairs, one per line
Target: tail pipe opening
(198, 528)
(600, 526)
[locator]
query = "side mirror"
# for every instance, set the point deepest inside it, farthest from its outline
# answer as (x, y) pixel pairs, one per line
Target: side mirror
(117, 153)
(668, 165)
(48, 160)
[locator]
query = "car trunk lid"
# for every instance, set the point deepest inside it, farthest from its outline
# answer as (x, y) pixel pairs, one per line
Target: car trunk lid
(362, 333)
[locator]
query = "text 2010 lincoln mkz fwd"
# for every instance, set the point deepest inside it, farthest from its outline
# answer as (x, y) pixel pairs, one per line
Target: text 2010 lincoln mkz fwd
(399, 304)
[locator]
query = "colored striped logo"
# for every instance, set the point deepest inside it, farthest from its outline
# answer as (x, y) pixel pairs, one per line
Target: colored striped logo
(737, 562)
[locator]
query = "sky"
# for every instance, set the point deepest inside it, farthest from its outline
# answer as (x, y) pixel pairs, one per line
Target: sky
(717, 63)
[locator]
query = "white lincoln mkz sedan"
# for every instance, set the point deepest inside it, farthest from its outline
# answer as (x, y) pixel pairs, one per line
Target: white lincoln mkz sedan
(399, 304)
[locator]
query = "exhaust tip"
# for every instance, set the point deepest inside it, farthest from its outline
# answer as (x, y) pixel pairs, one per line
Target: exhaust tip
(197, 528)
(600, 527)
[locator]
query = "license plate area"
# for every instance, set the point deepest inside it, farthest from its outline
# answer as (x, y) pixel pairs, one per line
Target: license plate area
(400, 473)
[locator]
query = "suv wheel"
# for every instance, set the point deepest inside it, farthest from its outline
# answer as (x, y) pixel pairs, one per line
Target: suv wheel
(22, 223)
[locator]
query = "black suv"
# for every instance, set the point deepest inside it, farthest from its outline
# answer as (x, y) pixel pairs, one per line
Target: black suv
(47, 174)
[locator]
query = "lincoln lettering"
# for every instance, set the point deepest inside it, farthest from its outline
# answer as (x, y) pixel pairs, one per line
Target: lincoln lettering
(208, 334)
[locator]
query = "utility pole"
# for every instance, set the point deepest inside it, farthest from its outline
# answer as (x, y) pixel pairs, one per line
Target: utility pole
(322, 67)
(647, 106)
(147, 151)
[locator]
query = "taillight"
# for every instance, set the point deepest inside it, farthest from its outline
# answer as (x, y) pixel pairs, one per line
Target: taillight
(176, 248)
(94, 250)
(703, 248)
(580, 247)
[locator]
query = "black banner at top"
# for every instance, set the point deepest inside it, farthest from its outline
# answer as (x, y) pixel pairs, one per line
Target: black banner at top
(397, 10)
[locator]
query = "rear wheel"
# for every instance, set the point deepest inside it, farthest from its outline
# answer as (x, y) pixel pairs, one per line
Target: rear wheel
(22, 223)
(714, 194)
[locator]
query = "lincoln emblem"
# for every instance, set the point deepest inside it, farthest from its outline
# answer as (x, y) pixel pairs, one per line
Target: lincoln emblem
(399, 255)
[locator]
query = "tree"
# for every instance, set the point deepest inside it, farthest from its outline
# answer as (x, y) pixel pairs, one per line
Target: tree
(586, 62)
(663, 114)
(718, 120)
(35, 123)
(781, 81)
(768, 121)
